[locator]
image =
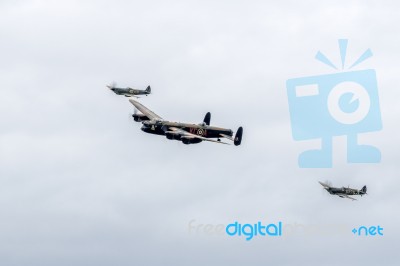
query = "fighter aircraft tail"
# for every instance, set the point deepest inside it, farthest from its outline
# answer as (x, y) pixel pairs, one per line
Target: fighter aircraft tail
(238, 136)
(148, 89)
(364, 190)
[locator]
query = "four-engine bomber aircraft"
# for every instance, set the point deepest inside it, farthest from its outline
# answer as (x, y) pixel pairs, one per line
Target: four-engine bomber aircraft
(185, 132)
(344, 192)
(129, 92)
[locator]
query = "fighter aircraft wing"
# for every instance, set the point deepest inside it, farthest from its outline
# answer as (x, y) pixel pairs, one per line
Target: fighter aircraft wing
(131, 95)
(190, 135)
(147, 112)
(346, 196)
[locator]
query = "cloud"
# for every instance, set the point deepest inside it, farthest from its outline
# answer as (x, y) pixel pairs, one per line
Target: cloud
(83, 185)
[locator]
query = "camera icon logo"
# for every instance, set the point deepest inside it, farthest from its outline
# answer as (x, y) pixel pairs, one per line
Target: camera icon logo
(344, 103)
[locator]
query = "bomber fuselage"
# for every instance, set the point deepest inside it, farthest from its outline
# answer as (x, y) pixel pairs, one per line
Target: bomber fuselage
(160, 127)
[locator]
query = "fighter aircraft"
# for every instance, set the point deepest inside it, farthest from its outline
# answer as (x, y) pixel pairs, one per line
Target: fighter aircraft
(185, 132)
(344, 192)
(129, 92)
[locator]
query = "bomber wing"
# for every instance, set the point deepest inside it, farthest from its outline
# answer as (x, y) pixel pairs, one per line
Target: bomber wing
(226, 136)
(193, 136)
(147, 112)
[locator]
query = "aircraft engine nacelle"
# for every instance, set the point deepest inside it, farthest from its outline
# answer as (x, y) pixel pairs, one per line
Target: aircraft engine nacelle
(175, 136)
(190, 140)
(169, 135)
(140, 117)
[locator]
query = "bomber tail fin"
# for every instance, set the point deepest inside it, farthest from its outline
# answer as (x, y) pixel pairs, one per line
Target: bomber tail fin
(207, 119)
(238, 136)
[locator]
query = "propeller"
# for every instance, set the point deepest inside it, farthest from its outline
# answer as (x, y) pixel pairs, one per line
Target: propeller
(327, 184)
(135, 111)
(112, 85)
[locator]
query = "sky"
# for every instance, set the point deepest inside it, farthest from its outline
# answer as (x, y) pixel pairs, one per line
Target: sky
(81, 184)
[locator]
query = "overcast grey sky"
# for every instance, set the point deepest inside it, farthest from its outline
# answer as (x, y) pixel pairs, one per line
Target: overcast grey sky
(81, 184)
